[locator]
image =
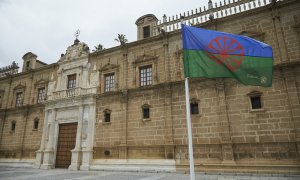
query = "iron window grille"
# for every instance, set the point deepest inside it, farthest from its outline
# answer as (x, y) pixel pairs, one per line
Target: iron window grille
(19, 98)
(41, 95)
(109, 82)
(146, 76)
(71, 81)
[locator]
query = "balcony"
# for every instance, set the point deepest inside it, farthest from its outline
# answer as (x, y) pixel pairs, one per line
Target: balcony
(73, 92)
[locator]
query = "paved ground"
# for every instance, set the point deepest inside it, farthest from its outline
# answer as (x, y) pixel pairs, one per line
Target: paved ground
(59, 174)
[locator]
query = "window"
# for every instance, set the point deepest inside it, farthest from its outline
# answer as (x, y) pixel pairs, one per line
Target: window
(106, 152)
(109, 82)
(13, 126)
(146, 113)
(71, 81)
(255, 100)
(41, 95)
(194, 108)
(146, 31)
(27, 65)
(71, 85)
(107, 116)
(146, 75)
(19, 98)
(36, 124)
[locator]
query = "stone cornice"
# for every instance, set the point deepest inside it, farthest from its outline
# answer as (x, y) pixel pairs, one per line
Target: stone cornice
(30, 71)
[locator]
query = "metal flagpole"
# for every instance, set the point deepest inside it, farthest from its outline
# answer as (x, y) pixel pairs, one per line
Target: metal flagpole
(189, 128)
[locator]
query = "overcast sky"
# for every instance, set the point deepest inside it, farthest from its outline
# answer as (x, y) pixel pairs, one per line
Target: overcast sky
(46, 27)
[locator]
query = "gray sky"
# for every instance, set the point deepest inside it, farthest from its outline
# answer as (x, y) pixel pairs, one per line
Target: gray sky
(46, 27)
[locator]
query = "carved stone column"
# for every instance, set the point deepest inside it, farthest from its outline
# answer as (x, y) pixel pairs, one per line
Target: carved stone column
(87, 152)
(48, 160)
(224, 124)
(76, 152)
(40, 152)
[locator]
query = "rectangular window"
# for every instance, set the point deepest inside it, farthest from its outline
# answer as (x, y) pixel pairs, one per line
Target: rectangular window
(106, 116)
(109, 82)
(27, 65)
(194, 108)
(146, 75)
(71, 81)
(41, 95)
(13, 126)
(146, 113)
(256, 102)
(35, 124)
(146, 31)
(19, 98)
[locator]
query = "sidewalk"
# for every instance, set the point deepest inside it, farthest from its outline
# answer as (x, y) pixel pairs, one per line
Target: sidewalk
(60, 174)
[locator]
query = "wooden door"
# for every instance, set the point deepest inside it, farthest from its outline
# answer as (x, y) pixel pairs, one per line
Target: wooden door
(66, 142)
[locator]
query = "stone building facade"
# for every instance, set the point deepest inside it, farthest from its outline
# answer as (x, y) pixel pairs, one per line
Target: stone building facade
(124, 107)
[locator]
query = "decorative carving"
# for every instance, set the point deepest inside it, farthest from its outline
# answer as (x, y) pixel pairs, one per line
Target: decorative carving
(144, 58)
(65, 114)
(109, 67)
(255, 35)
(19, 86)
(75, 51)
(41, 82)
(178, 53)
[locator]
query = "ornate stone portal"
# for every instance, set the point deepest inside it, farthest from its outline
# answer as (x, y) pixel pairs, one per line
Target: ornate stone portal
(70, 101)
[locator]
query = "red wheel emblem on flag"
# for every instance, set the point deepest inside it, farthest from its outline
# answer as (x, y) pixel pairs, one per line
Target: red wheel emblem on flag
(226, 51)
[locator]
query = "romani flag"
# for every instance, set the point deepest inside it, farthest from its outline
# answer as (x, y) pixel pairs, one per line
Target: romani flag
(214, 54)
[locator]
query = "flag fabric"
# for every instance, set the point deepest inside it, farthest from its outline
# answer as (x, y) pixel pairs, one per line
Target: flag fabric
(213, 54)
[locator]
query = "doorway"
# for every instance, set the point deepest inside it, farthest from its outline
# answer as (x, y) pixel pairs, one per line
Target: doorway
(66, 142)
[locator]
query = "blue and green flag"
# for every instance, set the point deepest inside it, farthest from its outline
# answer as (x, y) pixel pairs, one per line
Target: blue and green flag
(214, 54)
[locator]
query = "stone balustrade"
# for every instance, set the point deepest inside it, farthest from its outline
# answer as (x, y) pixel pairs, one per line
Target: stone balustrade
(212, 11)
(73, 92)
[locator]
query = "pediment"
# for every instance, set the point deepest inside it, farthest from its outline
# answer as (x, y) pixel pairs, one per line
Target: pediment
(109, 66)
(254, 93)
(144, 58)
(74, 52)
(41, 81)
(255, 35)
(20, 86)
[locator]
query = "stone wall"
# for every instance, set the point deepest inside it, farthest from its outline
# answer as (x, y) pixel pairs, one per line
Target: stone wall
(226, 132)
(24, 140)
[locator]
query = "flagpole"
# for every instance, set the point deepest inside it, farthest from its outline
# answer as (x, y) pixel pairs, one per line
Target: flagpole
(189, 128)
